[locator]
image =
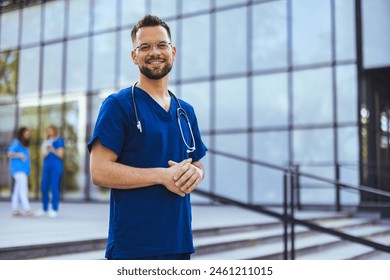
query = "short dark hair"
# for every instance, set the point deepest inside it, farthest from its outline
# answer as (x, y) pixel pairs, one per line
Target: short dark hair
(149, 20)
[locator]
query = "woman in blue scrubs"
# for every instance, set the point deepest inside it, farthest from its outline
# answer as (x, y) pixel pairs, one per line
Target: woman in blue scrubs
(53, 154)
(19, 155)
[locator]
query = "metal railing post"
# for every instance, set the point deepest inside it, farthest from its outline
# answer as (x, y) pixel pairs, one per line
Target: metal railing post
(292, 202)
(338, 204)
(285, 218)
(298, 187)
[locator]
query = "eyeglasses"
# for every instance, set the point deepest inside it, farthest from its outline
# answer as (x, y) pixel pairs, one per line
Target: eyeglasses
(146, 47)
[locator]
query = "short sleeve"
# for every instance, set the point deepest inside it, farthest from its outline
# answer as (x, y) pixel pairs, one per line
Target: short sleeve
(13, 147)
(111, 126)
(200, 147)
(59, 143)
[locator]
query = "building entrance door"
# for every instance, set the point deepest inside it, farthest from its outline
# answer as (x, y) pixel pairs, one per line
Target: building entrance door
(375, 134)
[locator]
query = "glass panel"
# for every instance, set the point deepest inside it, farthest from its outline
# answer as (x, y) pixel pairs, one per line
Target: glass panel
(347, 93)
(269, 37)
(198, 95)
(313, 145)
(268, 185)
(52, 69)
(348, 145)
(9, 75)
(376, 35)
(270, 100)
(129, 71)
(73, 177)
(231, 178)
(236, 144)
(231, 51)
(77, 65)
(221, 3)
(132, 11)
(311, 31)
(316, 191)
(103, 61)
(28, 116)
(311, 88)
(163, 9)
(31, 31)
(231, 104)
(28, 82)
(54, 20)
(9, 30)
(271, 147)
(193, 6)
(104, 14)
(345, 30)
(78, 17)
(195, 54)
(7, 117)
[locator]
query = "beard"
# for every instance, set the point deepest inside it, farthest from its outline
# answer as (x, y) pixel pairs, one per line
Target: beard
(155, 73)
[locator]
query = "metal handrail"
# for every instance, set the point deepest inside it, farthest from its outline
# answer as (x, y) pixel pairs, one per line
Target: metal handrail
(290, 180)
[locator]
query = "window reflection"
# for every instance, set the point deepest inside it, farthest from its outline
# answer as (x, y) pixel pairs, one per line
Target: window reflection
(54, 15)
(77, 65)
(28, 82)
(78, 17)
(270, 100)
(345, 30)
(311, 31)
(193, 6)
(52, 69)
(376, 21)
(31, 25)
(198, 95)
(269, 36)
(312, 96)
(9, 30)
(103, 61)
(231, 42)
(312, 145)
(9, 61)
(271, 147)
(231, 184)
(231, 104)
(195, 52)
(132, 11)
(104, 14)
(347, 93)
(166, 8)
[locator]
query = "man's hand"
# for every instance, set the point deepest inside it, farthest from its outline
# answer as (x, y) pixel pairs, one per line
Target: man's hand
(169, 181)
(187, 176)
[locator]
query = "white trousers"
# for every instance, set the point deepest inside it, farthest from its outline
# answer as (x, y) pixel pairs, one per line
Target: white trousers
(20, 192)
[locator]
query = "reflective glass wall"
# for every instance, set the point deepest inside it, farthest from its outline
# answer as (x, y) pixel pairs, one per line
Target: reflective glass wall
(272, 81)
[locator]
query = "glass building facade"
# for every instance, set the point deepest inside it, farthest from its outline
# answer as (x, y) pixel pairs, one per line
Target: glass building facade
(286, 82)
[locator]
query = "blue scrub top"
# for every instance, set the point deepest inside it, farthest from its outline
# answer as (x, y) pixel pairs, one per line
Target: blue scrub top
(148, 221)
(17, 164)
(51, 160)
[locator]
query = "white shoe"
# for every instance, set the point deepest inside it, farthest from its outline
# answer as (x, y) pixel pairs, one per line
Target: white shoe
(40, 213)
(53, 214)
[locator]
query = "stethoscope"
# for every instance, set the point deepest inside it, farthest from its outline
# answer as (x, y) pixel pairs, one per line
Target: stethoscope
(179, 112)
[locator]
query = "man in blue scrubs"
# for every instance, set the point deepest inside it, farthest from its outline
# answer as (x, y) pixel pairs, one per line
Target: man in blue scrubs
(151, 171)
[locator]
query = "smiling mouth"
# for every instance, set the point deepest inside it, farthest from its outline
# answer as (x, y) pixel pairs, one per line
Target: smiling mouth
(155, 61)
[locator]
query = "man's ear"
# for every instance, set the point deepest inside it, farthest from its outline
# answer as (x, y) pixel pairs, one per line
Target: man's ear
(174, 52)
(134, 57)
